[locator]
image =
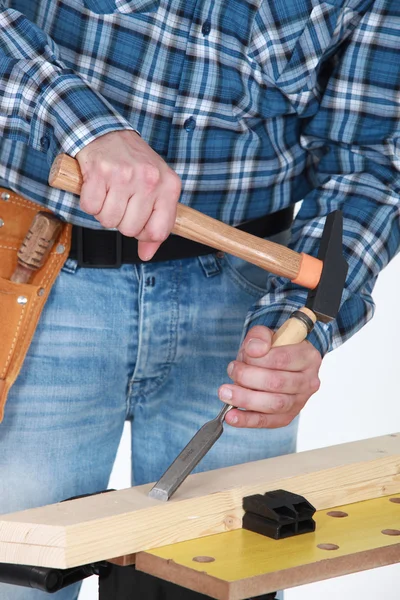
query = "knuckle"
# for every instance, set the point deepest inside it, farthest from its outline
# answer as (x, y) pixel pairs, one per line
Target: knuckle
(108, 222)
(280, 404)
(123, 174)
(91, 206)
(261, 421)
(237, 374)
(316, 357)
(128, 230)
(102, 169)
(151, 176)
(315, 384)
(88, 206)
(282, 359)
(174, 183)
(156, 233)
(245, 402)
(275, 382)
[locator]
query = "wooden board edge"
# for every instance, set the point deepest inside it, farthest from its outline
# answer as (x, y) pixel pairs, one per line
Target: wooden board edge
(169, 570)
(271, 582)
(123, 561)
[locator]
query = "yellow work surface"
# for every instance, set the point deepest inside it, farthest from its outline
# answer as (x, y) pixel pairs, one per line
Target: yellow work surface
(239, 564)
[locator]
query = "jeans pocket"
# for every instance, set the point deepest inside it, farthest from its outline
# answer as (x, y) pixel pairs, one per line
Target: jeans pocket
(249, 277)
(106, 7)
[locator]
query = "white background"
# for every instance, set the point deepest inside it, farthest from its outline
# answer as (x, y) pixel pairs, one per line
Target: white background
(359, 398)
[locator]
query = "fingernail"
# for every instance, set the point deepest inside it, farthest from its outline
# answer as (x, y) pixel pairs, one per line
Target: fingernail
(225, 394)
(257, 346)
(240, 356)
(233, 419)
(231, 366)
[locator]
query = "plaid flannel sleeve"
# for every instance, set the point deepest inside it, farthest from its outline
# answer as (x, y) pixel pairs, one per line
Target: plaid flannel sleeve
(353, 142)
(43, 103)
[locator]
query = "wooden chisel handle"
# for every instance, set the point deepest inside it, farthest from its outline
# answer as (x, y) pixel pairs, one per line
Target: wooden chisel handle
(36, 246)
(303, 269)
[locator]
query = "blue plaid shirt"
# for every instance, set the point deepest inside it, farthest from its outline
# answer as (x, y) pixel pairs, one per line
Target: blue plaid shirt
(256, 105)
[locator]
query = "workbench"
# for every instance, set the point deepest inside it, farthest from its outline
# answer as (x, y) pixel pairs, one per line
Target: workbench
(240, 564)
(194, 546)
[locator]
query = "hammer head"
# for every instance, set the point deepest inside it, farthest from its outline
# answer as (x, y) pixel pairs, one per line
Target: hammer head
(325, 299)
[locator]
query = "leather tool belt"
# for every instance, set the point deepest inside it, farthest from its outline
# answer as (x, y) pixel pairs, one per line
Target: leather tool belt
(21, 304)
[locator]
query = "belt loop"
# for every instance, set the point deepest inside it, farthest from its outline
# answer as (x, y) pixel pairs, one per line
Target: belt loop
(210, 265)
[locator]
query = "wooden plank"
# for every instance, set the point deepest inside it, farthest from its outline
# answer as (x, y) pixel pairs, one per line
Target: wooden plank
(128, 521)
(241, 564)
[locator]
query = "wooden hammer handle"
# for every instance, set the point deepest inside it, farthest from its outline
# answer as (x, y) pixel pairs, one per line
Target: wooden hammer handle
(36, 246)
(302, 269)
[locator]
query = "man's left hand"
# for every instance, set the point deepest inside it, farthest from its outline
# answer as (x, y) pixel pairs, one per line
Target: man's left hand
(271, 384)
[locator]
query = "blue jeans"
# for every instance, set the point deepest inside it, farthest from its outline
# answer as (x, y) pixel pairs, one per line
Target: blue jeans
(147, 343)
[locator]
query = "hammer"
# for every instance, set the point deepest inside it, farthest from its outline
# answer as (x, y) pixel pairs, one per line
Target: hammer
(324, 276)
(300, 268)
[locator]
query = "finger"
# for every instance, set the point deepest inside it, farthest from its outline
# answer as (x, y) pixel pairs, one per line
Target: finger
(296, 357)
(93, 195)
(159, 225)
(268, 380)
(137, 213)
(114, 208)
(160, 222)
(255, 420)
(147, 250)
(261, 340)
(264, 402)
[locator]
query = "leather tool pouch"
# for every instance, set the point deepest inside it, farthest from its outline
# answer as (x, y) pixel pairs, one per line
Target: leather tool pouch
(21, 304)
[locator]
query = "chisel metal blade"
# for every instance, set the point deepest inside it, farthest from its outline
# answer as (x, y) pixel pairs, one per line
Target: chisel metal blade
(190, 456)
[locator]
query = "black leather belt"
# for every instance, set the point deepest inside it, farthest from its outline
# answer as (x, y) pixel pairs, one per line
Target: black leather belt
(97, 248)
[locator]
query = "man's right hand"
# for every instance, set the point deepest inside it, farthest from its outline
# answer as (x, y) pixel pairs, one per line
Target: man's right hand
(128, 186)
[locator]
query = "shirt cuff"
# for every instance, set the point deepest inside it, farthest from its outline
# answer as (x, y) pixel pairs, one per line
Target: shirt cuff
(70, 115)
(273, 316)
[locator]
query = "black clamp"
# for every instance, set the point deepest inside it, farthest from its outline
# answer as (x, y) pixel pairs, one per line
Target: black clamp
(278, 514)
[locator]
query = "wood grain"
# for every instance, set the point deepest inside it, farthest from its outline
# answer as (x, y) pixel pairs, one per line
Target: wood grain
(293, 331)
(128, 521)
(191, 224)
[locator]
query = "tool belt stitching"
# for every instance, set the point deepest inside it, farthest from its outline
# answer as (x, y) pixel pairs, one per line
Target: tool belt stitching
(13, 344)
(9, 247)
(50, 264)
(19, 201)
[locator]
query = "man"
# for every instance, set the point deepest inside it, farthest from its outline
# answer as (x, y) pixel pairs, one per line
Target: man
(239, 109)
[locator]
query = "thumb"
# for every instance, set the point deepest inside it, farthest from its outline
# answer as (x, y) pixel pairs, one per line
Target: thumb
(257, 342)
(147, 250)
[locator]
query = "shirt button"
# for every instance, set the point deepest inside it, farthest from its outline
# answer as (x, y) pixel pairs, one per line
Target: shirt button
(45, 142)
(190, 124)
(205, 30)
